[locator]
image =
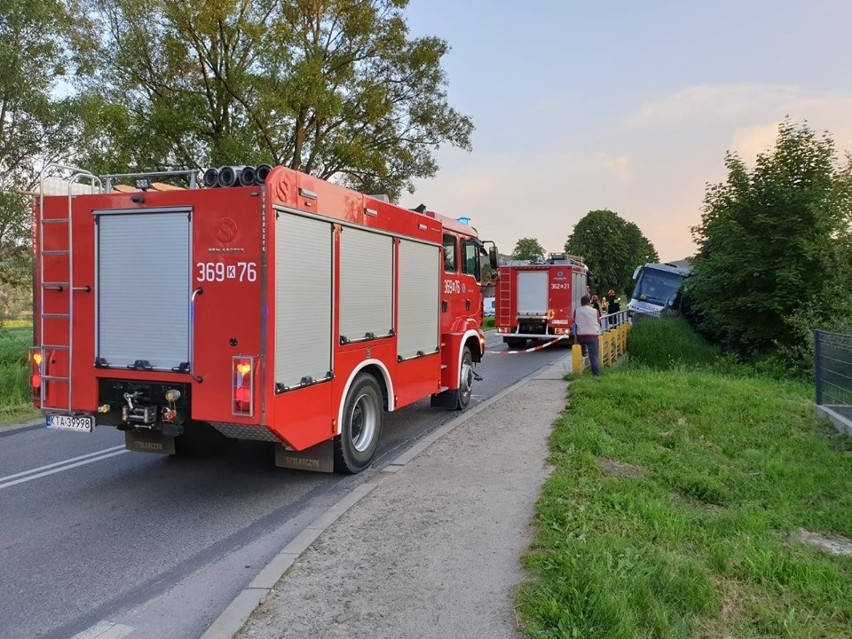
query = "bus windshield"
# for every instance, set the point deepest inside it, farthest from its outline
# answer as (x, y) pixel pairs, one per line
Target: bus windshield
(657, 287)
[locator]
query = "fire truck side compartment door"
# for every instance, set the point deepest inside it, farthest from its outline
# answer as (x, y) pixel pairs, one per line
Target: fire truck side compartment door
(419, 298)
(303, 299)
(143, 287)
(578, 288)
(366, 284)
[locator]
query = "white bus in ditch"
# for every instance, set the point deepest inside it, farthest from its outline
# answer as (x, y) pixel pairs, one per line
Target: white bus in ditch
(656, 288)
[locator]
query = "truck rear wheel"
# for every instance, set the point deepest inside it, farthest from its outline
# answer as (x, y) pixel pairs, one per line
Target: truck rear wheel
(361, 428)
(465, 379)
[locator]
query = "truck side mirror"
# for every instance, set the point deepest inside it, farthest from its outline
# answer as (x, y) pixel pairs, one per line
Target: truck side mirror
(492, 256)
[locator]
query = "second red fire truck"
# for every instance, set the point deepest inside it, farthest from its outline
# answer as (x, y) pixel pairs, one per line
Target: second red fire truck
(537, 300)
(268, 305)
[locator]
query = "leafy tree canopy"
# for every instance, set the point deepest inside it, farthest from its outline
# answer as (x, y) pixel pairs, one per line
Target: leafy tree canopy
(528, 248)
(335, 88)
(612, 248)
(35, 126)
(774, 244)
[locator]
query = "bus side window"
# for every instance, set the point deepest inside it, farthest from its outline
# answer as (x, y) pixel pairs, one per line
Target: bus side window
(450, 254)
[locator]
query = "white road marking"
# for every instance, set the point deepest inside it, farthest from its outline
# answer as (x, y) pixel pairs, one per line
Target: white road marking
(58, 467)
(105, 630)
(60, 463)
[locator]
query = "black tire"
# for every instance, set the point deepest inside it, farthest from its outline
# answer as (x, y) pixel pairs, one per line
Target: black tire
(363, 419)
(465, 379)
(515, 342)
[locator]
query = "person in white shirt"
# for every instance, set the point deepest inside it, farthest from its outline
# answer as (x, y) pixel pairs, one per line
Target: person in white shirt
(588, 330)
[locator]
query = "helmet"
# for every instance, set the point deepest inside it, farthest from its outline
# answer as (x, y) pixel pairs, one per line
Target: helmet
(610, 293)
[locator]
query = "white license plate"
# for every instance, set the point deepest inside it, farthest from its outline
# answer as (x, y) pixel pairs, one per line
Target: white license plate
(79, 423)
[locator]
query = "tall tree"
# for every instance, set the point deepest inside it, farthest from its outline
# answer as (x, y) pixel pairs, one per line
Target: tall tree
(612, 248)
(35, 126)
(528, 248)
(335, 88)
(774, 243)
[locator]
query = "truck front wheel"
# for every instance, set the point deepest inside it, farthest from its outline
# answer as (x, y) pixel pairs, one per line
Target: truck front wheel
(465, 379)
(363, 418)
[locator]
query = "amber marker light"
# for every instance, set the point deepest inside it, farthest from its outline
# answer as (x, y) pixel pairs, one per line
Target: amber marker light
(35, 378)
(242, 387)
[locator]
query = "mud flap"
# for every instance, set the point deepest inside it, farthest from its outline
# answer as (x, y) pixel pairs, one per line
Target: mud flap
(319, 458)
(449, 399)
(149, 442)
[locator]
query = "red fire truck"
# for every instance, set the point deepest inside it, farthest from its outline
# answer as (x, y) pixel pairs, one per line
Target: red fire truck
(267, 305)
(537, 301)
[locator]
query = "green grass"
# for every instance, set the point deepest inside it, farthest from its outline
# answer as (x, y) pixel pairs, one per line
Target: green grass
(675, 502)
(15, 398)
(666, 342)
(487, 323)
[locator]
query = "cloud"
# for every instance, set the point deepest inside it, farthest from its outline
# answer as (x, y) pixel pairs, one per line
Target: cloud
(748, 142)
(709, 102)
(619, 165)
(650, 162)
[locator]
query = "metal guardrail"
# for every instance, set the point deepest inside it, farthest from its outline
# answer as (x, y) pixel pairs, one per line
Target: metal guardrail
(833, 377)
(612, 320)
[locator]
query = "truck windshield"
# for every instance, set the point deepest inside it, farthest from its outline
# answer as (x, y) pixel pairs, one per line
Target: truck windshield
(656, 287)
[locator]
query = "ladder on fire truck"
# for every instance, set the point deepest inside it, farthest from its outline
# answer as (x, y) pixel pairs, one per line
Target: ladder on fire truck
(505, 300)
(75, 175)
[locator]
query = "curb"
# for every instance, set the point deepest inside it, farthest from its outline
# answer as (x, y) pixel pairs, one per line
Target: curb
(237, 613)
(11, 428)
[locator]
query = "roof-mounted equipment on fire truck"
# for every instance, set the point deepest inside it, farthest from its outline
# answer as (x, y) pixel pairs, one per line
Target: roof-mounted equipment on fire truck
(236, 176)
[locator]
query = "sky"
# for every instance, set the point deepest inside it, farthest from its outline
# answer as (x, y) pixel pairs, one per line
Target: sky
(624, 105)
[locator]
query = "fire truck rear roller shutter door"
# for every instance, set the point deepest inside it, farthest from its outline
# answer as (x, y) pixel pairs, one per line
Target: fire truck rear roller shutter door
(366, 284)
(419, 296)
(532, 293)
(303, 299)
(143, 274)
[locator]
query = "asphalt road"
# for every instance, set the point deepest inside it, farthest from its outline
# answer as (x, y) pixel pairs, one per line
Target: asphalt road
(99, 542)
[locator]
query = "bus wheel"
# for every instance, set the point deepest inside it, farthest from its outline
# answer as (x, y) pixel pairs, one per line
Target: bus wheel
(363, 417)
(465, 379)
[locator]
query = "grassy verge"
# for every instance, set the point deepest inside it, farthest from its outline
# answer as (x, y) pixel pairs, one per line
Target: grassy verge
(678, 503)
(487, 323)
(15, 403)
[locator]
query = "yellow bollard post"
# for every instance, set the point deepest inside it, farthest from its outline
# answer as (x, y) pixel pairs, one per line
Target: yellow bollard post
(576, 359)
(618, 350)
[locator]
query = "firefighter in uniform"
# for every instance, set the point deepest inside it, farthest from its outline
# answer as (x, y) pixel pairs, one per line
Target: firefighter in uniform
(613, 306)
